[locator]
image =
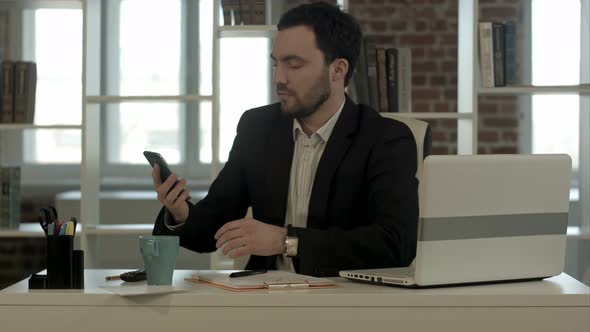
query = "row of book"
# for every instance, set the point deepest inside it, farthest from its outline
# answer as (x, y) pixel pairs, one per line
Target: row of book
(238, 12)
(394, 79)
(497, 53)
(18, 87)
(10, 197)
(386, 87)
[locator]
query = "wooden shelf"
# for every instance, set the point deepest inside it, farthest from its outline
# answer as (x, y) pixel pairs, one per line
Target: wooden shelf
(24, 230)
(434, 115)
(527, 90)
(120, 229)
(240, 31)
(121, 99)
(18, 126)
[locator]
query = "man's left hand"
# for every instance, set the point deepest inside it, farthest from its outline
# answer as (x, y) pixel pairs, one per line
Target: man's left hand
(250, 237)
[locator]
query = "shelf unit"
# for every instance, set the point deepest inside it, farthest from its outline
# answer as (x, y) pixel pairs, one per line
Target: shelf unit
(469, 88)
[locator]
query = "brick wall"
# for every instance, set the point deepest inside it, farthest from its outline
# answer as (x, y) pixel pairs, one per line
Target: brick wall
(429, 28)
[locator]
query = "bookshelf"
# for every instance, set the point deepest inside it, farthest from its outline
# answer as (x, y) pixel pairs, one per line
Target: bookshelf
(469, 89)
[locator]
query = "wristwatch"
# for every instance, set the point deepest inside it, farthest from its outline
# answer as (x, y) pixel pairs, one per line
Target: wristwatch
(291, 244)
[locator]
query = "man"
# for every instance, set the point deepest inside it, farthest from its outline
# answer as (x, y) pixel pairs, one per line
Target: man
(331, 184)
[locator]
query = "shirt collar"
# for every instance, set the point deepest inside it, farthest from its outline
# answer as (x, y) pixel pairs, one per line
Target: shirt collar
(325, 131)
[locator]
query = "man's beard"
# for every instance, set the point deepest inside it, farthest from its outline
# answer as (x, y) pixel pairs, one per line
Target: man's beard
(317, 96)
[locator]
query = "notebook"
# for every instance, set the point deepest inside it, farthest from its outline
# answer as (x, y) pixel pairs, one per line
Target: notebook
(271, 280)
(486, 218)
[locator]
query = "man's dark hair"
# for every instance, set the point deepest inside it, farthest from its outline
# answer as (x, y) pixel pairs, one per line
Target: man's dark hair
(338, 34)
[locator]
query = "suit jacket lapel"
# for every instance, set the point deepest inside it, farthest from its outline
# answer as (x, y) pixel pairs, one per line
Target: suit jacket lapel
(278, 169)
(335, 150)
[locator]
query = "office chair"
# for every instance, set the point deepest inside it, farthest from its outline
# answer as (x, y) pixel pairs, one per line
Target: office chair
(422, 134)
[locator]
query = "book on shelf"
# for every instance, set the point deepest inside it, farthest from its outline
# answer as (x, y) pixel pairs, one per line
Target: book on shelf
(243, 12)
(10, 197)
(373, 86)
(486, 59)
(392, 83)
(498, 47)
(358, 86)
(395, 79)
(381, 68)
(25, 83)
(7, 88)
(18, 87)
(510, 47)
(399, 88)
(497, 54)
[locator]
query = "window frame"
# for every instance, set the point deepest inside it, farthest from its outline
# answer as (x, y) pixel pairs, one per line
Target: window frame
(115, 175)
(578, 188)
(190, 166)
(526, 102)
(38, 174)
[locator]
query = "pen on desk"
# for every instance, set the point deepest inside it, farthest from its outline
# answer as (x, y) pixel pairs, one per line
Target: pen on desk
(246, 273)
(109, 278)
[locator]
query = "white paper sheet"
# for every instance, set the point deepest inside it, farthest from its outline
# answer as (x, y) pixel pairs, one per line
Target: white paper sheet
(138, 290)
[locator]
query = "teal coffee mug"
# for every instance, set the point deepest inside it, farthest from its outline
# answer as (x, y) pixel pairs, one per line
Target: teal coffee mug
(159, 258)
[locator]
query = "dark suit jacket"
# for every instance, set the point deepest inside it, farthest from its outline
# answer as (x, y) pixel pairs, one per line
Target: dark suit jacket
(363, 210)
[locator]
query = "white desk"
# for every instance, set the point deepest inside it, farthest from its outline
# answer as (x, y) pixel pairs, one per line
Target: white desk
(557, 304)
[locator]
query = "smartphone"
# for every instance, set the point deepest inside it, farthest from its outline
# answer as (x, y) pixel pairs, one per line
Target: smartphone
(165, 172)
(153, 158)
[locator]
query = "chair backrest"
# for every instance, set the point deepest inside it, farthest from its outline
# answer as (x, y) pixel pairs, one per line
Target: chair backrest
(422, 136)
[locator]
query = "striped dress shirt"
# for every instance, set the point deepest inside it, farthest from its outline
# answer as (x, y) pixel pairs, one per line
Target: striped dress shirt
(307, 153)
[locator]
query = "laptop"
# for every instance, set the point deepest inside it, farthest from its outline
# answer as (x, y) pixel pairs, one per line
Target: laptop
(486, 219)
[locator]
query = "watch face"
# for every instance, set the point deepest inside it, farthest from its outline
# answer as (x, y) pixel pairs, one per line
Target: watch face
(291, 246)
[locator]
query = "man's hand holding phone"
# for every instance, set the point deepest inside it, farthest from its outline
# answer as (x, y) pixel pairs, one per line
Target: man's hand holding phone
(172, 196)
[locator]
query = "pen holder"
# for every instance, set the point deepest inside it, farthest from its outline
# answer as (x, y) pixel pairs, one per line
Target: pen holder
(78, 269)
(59, 262)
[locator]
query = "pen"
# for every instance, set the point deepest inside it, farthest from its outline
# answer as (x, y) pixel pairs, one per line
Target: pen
(246, 273)
(109, 278)
(73, 219)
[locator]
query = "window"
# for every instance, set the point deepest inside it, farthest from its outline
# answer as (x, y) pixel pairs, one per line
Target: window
(147, 61)
(244, 83)
(55, 43)
(149, 48)
(556, 61)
